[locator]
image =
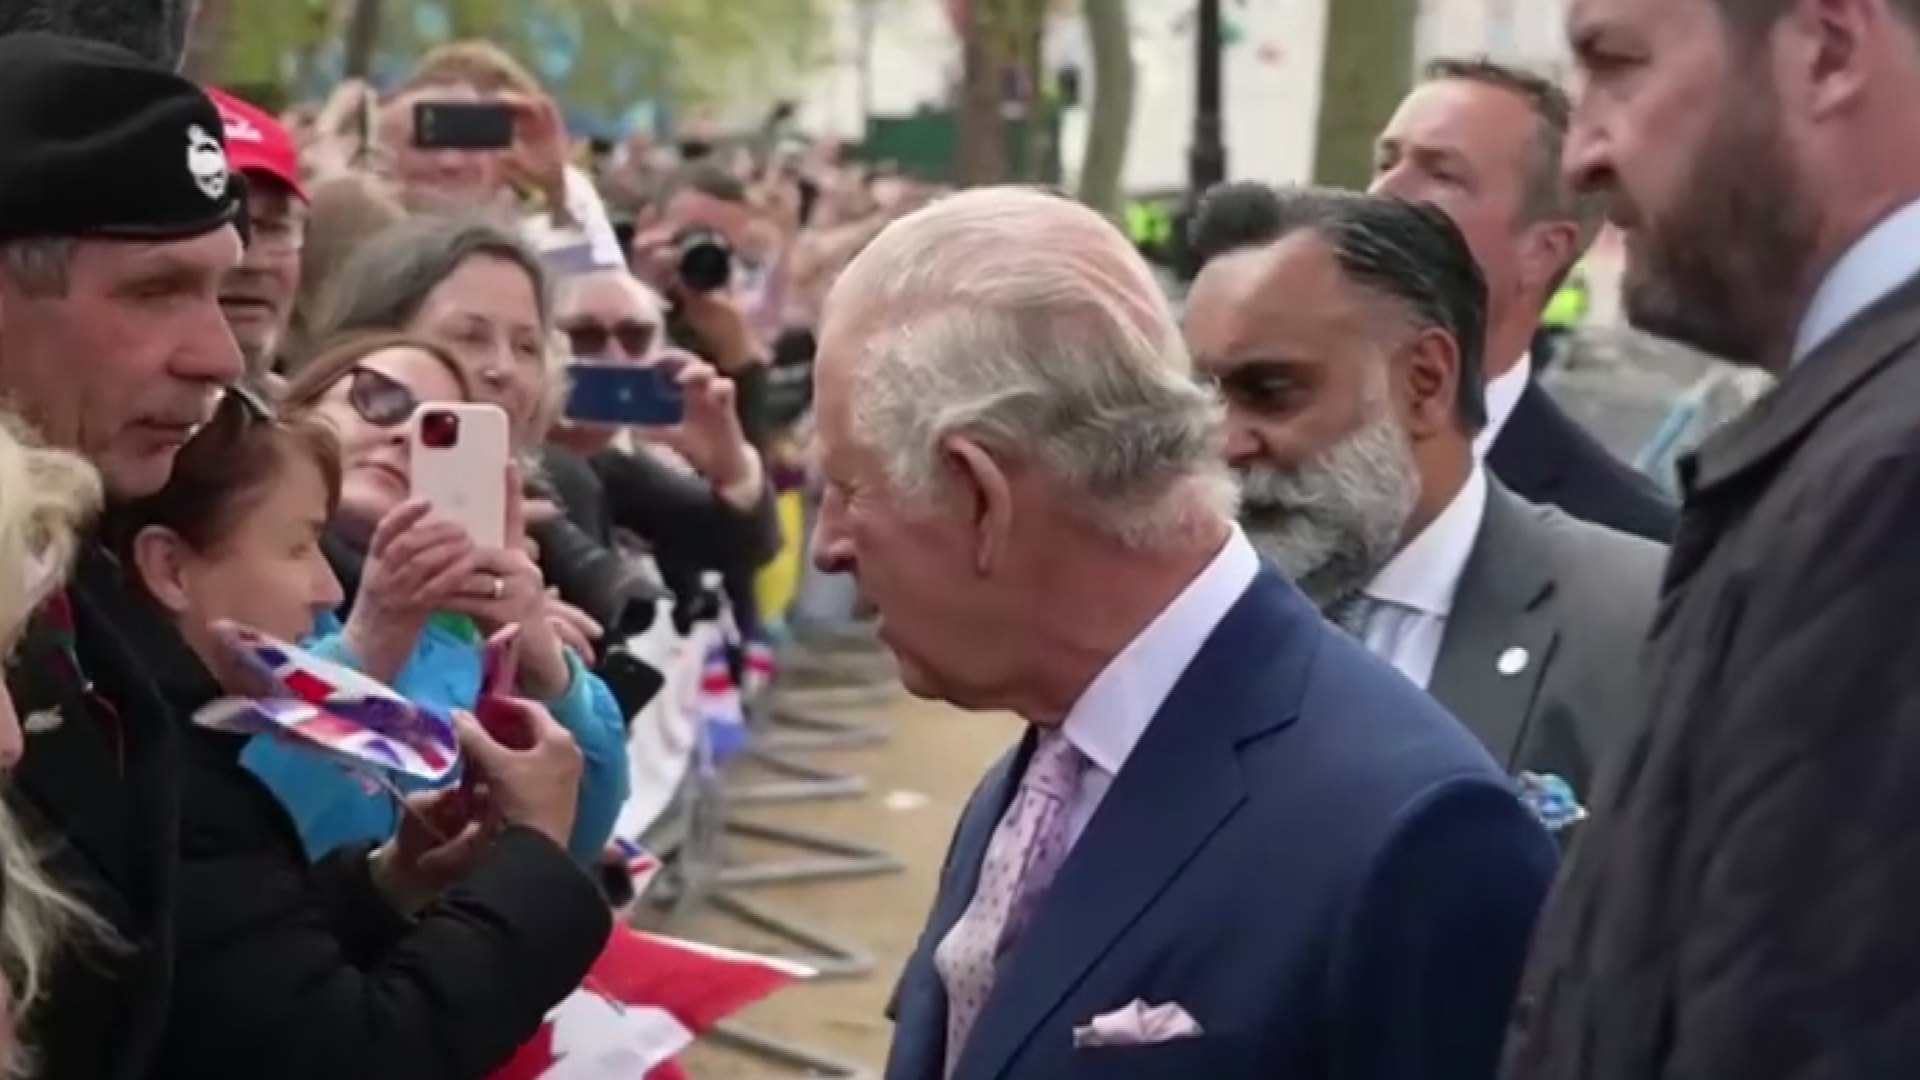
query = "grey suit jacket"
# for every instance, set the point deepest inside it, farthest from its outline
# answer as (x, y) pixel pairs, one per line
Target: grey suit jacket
(1541, 651)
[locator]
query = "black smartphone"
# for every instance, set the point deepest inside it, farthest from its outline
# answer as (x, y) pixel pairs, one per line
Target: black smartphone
(633, 682)
(462, 125)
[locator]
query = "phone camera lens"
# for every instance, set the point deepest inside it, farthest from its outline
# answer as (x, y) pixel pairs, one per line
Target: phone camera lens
(439, 430)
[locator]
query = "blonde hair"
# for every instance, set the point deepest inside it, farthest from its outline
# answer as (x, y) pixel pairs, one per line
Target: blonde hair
(478, 64)
(47, 498)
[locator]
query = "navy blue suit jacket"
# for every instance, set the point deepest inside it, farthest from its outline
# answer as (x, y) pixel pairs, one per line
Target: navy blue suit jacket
(1304, 852)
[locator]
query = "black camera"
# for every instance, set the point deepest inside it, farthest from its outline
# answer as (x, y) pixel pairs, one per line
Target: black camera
(704, 259)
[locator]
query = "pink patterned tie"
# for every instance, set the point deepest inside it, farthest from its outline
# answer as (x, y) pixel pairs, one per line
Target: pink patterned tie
(1025, 853)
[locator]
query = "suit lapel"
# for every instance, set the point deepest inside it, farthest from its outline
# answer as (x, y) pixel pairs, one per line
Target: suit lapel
(1179, 785)
(1527, 456)
(1501, 633)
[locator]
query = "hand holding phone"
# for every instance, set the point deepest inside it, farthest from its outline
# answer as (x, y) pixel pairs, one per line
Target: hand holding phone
(462, 125)
(617, 395)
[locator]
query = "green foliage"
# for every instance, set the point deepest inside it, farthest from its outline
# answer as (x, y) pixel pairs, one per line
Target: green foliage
(687, 50)
(1368, 68)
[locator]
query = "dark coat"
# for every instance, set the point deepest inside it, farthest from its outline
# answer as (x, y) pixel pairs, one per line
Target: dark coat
(1544, 457)
(99, 791)
(1741, 906)
(285, 971)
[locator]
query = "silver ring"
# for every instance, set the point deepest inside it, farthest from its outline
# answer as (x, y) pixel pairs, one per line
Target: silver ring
(499, 587)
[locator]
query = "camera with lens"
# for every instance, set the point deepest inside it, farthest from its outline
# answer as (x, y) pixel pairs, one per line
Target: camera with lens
(703, 259)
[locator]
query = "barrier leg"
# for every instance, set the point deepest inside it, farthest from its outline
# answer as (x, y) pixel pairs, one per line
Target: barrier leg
(778, 1052)
(804, 783)
(832, 859)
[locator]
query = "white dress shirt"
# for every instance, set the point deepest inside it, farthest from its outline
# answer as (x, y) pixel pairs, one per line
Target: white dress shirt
(1115, 709)
(1503, 396)
(1410, 600)
(1876, 265)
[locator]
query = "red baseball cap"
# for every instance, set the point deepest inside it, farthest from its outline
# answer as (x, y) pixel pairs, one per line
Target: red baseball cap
(256, 143)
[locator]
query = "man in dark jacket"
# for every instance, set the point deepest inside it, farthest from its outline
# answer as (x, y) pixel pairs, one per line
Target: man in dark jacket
(116, 226)
(1741, 906)
(1482, 141)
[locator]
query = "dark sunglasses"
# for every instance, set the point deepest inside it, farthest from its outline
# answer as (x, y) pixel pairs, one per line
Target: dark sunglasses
(589, 338)
(381, 400)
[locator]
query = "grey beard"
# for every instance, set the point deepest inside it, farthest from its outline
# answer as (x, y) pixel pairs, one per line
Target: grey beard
(1332, 525)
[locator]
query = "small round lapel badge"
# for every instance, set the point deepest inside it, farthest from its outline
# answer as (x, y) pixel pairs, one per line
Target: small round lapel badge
(1513, 661)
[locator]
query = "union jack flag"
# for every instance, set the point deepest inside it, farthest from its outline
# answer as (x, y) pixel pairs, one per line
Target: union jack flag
(334, 709)
(723, 717)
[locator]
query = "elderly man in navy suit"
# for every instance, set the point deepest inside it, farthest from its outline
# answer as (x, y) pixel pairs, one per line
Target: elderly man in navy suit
(1232, 843)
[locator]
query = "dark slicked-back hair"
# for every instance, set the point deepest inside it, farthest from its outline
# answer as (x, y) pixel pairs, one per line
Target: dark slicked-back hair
(154, 29)
(1409, 253)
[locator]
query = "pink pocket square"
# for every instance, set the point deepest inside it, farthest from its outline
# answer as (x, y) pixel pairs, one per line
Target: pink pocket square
(1138, 1024)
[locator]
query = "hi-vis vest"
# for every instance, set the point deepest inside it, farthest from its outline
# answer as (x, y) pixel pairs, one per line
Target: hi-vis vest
(1568, 307)
(1149, 225)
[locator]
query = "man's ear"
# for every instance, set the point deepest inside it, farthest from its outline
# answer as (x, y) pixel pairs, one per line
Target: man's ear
(159, 557)
(1547, 250)
(986, 494)
(1429, 368)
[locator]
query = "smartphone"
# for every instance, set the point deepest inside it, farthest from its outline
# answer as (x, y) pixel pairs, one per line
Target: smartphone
(633, 682)
(459, 457)
(619, 395)
(462, 125)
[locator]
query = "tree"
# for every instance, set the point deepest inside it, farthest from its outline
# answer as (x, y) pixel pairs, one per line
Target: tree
(597, 55)
(1110, 124)
(1367, 67)
(1001, 58)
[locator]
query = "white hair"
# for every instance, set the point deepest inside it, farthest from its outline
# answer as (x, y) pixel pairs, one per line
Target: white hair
(1028, 323)
(47, 497)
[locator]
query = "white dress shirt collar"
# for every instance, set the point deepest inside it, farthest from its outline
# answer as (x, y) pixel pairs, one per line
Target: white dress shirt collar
(1117, 706)
(1877, 264)
(1425, 573)
(1503, 396)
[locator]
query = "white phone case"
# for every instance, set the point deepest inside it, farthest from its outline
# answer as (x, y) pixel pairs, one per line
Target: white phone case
(466, 483)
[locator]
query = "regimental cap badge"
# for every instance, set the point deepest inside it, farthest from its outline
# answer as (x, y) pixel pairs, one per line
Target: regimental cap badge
(207, 162)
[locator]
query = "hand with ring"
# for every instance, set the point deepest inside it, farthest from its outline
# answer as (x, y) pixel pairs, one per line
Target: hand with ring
(505, 588)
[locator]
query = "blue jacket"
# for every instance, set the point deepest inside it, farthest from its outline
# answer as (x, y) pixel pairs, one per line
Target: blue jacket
(333, 808)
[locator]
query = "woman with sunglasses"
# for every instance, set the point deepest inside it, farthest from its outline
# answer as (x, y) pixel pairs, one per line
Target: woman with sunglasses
(470, 285)
(718, 518)
(421, 598)
(413, 954)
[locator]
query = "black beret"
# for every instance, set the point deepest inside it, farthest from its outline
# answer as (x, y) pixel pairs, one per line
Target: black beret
(95, 141)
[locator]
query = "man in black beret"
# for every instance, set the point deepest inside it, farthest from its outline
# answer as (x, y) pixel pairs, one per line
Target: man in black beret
(117, 225)
(156, 30)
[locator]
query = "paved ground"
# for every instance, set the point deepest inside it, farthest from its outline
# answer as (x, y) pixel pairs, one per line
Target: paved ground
(919, 781)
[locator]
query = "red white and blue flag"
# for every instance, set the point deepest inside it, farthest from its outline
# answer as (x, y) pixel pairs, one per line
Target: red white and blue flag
(332, 709)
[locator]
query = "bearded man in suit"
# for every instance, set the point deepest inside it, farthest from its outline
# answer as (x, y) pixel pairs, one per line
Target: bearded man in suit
(1345, 331)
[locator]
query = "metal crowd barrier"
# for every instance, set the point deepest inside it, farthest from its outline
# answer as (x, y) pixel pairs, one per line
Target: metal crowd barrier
(827, 668)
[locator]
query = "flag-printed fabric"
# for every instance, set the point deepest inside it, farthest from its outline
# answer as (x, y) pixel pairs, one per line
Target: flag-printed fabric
(723, 715)
(646, 999)
(332, 709)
